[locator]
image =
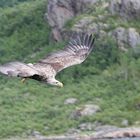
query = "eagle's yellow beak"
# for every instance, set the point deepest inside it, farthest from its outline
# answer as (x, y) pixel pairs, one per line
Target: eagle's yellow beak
(60, 85)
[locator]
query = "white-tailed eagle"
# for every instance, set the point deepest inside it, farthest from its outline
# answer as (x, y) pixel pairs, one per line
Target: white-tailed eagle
(46, 69)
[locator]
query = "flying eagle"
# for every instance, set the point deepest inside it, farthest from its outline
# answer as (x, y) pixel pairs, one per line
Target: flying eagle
(46, 69)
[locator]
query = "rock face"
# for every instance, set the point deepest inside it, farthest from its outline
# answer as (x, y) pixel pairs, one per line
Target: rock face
(104, 133)
(126, 36)
(89, 18)
(60, 11)
(119, 133)
(129, 9)
(133, 37)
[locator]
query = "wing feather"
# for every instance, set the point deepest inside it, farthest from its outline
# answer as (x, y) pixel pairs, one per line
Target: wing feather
(18, 69)
(75, 53)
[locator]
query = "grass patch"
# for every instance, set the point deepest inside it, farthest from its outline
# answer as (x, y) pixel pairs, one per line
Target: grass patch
(35, 106)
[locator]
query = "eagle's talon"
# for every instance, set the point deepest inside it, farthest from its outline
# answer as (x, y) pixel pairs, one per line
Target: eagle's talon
(23, 80)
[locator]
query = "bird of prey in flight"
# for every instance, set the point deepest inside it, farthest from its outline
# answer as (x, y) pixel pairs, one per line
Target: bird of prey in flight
(46, 69)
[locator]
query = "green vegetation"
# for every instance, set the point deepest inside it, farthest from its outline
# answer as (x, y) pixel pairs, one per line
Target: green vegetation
(11, 3)
(109, 78)
(22, 29)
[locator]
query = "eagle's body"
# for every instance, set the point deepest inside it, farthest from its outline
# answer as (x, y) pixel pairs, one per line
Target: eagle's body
(46, 69)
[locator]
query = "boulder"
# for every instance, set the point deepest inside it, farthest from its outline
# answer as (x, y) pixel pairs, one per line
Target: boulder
(70, 101)
(89, 109)
(72, 131)
(119, 133)
(120, 36)
(88, 126)
(125, 122)
(133, 37)
(86, 110)
(126, 37)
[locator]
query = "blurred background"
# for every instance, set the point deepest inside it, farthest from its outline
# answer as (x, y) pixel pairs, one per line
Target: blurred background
(103, 92)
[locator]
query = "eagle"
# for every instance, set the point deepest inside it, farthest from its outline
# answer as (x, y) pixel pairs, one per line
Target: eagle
(45, 70)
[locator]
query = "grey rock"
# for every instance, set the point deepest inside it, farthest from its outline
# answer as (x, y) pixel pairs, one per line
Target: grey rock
(105, 128)
(90, 109)
(86, 110)
(35, 133)
(115, 6)
(75, 114)
(89, 126)
(73, 131)
(126, 37)
(61, 11)
(120, 34)
(56, 34)
(133, 37)
(128, 9)
(119, 133)
(86, 126)
(80, 6)
(70, 101)
(58, 12)
(105, 132)
(125, 122)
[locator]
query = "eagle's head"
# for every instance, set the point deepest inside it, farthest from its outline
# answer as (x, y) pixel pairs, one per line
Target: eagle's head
(54, 82)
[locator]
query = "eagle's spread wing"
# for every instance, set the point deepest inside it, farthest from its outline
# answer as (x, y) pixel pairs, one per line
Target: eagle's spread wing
(18, 69)
(75, 53)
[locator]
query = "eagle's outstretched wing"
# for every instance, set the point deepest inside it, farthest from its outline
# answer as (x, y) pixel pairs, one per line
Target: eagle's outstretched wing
(18, 69)
(74, 53)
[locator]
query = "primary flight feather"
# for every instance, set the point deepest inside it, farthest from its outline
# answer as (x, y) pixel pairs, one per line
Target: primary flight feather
(46, 69)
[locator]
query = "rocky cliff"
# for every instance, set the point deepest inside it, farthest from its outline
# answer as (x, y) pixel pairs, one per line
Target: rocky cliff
(114, 18)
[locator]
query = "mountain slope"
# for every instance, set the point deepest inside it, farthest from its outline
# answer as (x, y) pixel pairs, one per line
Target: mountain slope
(109, 78)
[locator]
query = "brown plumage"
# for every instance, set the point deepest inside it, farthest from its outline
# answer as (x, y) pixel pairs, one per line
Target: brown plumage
(46, 69)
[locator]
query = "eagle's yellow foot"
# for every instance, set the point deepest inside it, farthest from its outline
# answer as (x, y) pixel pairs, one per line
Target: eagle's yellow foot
(23, 80)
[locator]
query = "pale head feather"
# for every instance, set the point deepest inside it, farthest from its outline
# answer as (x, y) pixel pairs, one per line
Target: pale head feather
(54, 82)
